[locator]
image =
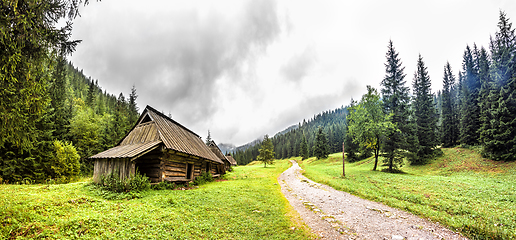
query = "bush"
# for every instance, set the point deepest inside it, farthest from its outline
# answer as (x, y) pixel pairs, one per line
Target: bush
(164, 186)
(134, 183)
(65, 162)
(204, 178)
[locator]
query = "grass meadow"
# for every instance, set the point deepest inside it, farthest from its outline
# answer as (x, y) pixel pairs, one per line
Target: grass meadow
(460, 189)
(249, 205)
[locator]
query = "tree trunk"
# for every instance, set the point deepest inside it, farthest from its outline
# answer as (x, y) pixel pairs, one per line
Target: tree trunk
(375, 160)
(376, 153)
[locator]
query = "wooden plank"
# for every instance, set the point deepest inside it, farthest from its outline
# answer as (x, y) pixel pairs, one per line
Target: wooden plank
(175, 164)
(176, 179)
(174, 174)
(174, 169)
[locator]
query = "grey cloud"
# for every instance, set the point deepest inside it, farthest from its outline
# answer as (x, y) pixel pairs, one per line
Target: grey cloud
(299, 66)
(175, 59)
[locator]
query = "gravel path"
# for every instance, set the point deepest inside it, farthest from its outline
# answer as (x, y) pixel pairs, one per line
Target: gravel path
(333, 214)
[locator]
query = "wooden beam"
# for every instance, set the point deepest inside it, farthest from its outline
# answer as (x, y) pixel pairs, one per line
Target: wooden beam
(176, 179)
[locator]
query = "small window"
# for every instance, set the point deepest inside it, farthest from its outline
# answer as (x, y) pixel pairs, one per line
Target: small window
(208, 167)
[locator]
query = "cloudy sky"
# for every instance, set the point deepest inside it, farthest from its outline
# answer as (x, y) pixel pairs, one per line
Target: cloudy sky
(242, 69)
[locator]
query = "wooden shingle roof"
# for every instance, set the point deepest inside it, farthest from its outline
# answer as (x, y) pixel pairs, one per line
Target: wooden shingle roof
(215, 149)
(155, 128)
(231, 160)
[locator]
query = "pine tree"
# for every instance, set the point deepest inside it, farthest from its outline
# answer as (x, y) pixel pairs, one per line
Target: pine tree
(502, 146)
(208, 138)
(396, 101)
(321, 145)
(470, 88)
(29, 40)
(351, 147)
(266, 151)
(487, 99)
(304, 148)
(449, 127)
(57, 92)
(424, 113)
(133, 107)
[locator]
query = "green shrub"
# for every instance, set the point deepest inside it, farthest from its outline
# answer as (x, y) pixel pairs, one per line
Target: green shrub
(65, 162)
(204, 178)
(164, 186)
(134, 183)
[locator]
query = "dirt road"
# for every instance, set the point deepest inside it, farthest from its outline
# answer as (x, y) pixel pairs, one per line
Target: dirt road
(333, 214)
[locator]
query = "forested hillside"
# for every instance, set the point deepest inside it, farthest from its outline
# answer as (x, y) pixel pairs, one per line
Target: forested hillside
(79, 119)
(477, 107)
(291, 143)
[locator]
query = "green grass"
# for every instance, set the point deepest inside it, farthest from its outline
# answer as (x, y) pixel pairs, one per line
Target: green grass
(247, 206)
(461, 190)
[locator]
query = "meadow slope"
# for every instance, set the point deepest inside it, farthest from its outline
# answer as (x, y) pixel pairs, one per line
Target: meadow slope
(460, 189)
(247, 206)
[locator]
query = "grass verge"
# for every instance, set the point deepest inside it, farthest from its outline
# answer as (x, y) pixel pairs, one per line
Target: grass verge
(247, 206)
(460, 189)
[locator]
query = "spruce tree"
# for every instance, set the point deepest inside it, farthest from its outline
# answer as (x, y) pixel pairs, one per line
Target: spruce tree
(266, 151)
(321, 145)
(424, 113)
(470, 88)
(133, 107)
(487, 99)
(351, 148)
(503, 72)
(208, 139)
(449, 127)
(304, 148)
(29, 40)
(58, 95)
(396, 102)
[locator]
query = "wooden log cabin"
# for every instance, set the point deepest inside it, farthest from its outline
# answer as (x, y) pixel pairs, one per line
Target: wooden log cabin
(215, 149)
(160, 148)
(231, 159)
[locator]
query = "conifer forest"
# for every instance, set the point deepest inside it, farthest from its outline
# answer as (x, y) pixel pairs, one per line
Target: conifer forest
(53, 117)
(475, 108)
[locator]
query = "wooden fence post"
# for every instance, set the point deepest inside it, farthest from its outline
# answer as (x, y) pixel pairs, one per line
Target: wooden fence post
(343, 161)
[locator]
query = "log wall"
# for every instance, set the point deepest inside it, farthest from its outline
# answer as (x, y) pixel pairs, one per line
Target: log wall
(124, 167)
(158, 166)
(150, 165)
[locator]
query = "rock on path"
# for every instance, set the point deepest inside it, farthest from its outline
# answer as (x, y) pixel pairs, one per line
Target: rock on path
(333, 214)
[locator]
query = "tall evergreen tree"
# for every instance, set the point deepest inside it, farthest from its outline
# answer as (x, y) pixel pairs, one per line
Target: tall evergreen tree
(487, 99)
(396, 100)
(29, 41)
(208, 139)
(449, 127)
(424, 113)
(351, 147)
(304, 148)
(266, 151)
(133, 107)
(321, 145)
(470, 88)
(503, 72)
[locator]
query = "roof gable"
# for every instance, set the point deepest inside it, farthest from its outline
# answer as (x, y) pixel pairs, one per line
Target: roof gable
(179, 138)
(215, 149)
(153, 128)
